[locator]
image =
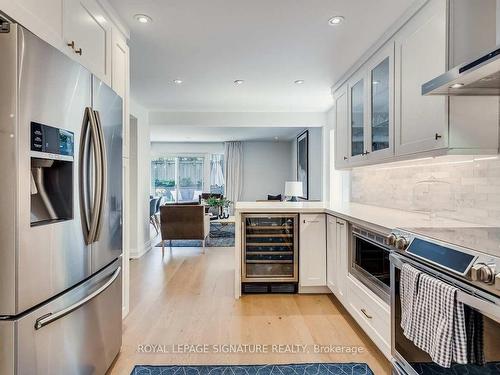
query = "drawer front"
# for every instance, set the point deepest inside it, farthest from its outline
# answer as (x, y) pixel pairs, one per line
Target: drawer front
(371, 313)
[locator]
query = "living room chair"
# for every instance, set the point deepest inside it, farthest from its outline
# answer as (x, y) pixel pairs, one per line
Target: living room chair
(183, 222)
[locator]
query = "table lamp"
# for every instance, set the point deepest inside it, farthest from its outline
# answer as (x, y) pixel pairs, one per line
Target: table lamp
(293, 189)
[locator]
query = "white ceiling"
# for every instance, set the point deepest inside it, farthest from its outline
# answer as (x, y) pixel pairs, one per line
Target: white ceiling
(268, 43)
(221, 134)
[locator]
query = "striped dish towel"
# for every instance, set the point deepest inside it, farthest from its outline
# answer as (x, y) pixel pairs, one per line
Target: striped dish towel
(438, 322)
(408, 293)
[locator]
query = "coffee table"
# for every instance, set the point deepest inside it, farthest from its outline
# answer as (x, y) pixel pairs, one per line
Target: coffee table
(220, 231)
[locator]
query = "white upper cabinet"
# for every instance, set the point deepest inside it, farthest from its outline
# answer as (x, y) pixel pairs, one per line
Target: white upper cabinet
(312, 250)
(43, 18)
(341, 127)
(380, 129)
(421, 55)
(120, 78)
(120, 61)
(368, 130)
(357, 88)
(87, 34)
(82, 29)
(388, 117)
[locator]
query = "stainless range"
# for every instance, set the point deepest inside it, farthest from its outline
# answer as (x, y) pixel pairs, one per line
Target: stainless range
(468, 259)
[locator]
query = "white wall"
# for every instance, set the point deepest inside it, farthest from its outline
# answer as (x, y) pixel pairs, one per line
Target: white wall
(143, 180)
(161, 148)
(315, 162)
(266, 168)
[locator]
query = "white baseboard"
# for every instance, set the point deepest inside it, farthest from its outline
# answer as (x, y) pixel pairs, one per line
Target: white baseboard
(314, 290)
(137, 253)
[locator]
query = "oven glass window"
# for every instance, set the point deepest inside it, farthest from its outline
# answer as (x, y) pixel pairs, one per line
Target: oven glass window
(373, 260)
(487, 345)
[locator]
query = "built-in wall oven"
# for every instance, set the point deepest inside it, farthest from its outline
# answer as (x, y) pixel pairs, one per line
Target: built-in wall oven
(473, 274)
(369, 260)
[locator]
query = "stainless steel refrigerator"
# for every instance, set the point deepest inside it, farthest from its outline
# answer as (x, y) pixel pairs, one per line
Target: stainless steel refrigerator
(60, 212)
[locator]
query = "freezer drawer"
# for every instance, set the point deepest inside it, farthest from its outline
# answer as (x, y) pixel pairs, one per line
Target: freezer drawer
(78, 333)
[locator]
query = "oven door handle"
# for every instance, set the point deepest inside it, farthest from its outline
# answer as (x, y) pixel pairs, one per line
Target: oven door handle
(487, 307)
(490, 306)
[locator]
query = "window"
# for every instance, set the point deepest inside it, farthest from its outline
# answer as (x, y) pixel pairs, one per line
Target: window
(179, 178)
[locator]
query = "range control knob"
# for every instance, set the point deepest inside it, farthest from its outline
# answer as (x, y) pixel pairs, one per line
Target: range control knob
(483, 272)
(401, 243)
(391, 239)
(487, 274)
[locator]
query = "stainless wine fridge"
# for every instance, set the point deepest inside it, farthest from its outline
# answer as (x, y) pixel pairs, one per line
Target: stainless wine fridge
(270, 253)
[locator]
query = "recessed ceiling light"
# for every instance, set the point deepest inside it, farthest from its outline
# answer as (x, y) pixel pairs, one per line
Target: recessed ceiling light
(456, 85)
(238, 82)
(336, 20)
(299, 82)
(178, 81)
(143, 18)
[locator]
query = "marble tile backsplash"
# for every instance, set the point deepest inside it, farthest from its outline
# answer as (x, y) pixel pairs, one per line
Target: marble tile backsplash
(462, 188)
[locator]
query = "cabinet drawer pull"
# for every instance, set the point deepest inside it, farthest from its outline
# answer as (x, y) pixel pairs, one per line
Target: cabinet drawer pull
(339, 223)
(71, 44)
(311, 221)
(366, 314)
(438, 136)
(79, 51)
(345, 157)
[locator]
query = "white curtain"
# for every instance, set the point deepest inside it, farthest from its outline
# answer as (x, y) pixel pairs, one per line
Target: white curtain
(233, 157)
(216, 174)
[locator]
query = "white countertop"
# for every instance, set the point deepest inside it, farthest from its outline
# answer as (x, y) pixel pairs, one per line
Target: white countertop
(384, 219)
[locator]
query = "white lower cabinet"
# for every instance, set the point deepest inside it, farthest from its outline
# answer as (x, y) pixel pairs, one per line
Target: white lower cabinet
(331, 254)
(371, 313)
(312, 250)
(336, 257)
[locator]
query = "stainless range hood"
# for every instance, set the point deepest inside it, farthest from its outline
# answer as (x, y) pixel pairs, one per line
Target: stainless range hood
(480, 77)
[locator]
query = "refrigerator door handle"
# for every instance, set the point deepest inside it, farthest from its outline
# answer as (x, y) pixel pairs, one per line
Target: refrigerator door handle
(90, 214)
(103, 180)
(52, 317)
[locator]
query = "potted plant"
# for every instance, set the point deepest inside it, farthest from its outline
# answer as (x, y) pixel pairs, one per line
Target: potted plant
(218, 206)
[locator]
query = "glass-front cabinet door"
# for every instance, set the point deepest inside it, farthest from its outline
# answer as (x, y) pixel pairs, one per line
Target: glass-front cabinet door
(357, 118)
(381, 77)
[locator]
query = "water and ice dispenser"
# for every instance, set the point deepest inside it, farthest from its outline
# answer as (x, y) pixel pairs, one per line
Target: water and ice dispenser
(52, 152)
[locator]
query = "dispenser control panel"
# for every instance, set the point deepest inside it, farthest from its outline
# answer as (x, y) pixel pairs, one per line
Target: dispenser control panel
(51, 140)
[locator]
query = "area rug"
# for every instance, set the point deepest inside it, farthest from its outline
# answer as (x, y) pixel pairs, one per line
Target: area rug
(220, 236)
(298, 369)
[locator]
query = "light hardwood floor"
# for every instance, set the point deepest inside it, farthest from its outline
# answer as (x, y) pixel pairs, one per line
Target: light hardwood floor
(187, 298)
